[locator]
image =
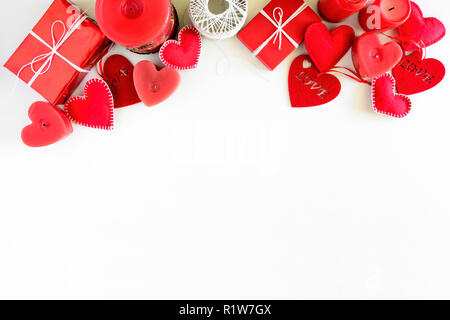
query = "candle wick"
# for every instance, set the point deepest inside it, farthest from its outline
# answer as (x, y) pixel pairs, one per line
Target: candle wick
(391, 8)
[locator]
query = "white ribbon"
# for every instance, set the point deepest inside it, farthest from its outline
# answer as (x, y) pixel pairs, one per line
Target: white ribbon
(279, 24)
(48, 57)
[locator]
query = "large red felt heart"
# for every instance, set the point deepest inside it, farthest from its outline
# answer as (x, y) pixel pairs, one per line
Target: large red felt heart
(326, 48)
(414, 75)
(49, 125)
(184, 53)
(307, 88)
(154, 86)
(426, 30)
(118, 74)
(386, 101)
(371, 58)
(95, 109)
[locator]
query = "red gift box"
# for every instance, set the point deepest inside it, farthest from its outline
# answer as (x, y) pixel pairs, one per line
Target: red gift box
(277, 30)
(57, 54)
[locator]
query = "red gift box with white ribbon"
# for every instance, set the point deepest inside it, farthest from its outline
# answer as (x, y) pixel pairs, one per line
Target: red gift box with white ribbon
(277, 30)
(57, 54)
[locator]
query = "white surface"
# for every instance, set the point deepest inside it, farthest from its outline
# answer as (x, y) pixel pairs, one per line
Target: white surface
(224, 191)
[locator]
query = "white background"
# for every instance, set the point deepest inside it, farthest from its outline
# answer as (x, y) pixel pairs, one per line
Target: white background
(225, 191)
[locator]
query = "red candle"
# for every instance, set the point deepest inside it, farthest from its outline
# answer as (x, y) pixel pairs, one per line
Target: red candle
(385, 15)
(339, 10)
(140, 25)
(372, 58)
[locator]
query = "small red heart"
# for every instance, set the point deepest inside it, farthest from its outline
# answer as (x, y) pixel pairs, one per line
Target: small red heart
(48, 125)
(184, 53)
(95, 109)
(386, 101)
(307, 88)
(154, 86)
(118, 74)
(326, 48)
(371, 58)
(414, 75)
(427, 30)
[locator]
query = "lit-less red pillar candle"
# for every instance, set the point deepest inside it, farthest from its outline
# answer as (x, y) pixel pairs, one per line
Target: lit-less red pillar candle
(140, 25)
(339, 10)
(384, 15)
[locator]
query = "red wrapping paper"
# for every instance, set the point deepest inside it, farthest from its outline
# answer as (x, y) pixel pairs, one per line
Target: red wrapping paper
(260, 29)
(84, 47)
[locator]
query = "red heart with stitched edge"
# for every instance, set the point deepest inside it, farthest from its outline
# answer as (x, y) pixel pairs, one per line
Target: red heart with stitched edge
(414, 75)
(307, 88)
(118, 74)
(371, 58)
(184, 53)
(326, 48)
(95, 109)
(48, 125)
(386, 101)
(155, 86)
(427, 30)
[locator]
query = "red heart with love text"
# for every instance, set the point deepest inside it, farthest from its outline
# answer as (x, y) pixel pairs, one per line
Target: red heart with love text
(95, 109)
(184, 53)
(49, 125)
(414, 75)
(386, 101)
(118, 74)
(307, 88)
(326, 48)
(426, 31)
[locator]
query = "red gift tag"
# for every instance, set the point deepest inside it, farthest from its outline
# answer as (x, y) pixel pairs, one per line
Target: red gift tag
(414, 75)
(118, 73)
(307, 88)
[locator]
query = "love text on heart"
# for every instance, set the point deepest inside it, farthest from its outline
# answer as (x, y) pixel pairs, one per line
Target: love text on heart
(122, 73)
(312, 85)
(418, 71)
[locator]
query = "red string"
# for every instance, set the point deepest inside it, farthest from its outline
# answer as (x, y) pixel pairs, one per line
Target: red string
(417, 42)
(99, 65)
(354, 75)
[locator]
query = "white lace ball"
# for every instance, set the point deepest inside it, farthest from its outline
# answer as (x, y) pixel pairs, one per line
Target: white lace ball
(218, 25)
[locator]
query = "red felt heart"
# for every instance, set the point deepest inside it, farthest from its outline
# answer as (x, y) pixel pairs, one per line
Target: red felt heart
(371, 58)
(385, 100)
(154, 86)
(326, 48)
(118, 74)
(414, 75)
(49, 125)
(184, 53)
(95, 109)
(307, 88)
(426, 30)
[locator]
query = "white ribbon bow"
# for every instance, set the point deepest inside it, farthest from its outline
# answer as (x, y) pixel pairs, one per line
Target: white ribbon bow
(48, 57)
(279, 24)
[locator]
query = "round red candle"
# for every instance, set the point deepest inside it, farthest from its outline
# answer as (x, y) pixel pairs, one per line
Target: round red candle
(339, 10)
(384, 15)
(140, 25)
